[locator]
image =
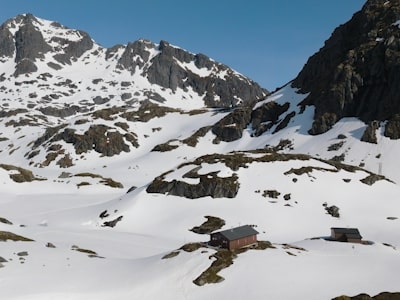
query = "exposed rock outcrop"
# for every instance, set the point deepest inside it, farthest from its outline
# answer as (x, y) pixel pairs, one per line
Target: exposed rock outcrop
(209, 185)
(135, 54)
(381, 296)
(369, 134)
(167, 71)
(100, 138)
(266, 116)
(60, 112)
(7, 46)
(230, 128)
(73, 49)
(392, 129)
(29, 42)
(357, 72)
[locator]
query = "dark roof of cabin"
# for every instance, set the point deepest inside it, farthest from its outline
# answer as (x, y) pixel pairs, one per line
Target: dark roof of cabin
(349, 232)
(238, 232)
(345, 230)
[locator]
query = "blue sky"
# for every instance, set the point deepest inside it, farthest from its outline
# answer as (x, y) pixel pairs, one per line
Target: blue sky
(266, 40)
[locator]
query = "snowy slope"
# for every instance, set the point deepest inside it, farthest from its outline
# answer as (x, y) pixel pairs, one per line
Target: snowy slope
(153, 225)
(346, 134)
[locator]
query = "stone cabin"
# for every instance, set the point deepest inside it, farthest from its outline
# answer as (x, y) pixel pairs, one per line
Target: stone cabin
(235, 238)
(349, 235)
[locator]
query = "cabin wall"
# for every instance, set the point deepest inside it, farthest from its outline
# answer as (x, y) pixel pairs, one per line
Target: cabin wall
(335, 235)
(357, 241)
(243, 242)
(218, 240)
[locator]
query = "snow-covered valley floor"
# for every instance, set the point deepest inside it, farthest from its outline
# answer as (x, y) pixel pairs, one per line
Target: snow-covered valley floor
(74, 257)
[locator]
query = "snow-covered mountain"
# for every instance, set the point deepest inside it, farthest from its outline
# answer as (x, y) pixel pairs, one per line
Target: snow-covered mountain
(110, 158)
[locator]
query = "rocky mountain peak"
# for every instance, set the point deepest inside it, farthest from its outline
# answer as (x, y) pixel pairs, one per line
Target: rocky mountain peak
(357, 72)
(79, 98)
(32, 46)
(28, 39)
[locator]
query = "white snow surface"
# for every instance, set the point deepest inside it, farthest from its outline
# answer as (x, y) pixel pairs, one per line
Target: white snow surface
(153, 225)
(130, 263)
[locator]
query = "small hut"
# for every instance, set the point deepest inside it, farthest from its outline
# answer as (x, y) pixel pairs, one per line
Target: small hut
(349, 235)
(235, 238)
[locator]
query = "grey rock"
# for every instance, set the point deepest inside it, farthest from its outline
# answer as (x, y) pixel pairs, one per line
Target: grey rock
(323, 123)
(74, 49)
(357, 72)
(202, 61)
(126, 96)
(274, 194)
(219, 92)
(209, 185)
(285, 122)
(154, 96)
(269, 114)
(60, 112)
(100, 100)
(372, 178)
(50, 245)
(104, 214)
(29, 42)
(112, 223)
(135, 54)
(5, 221)
(25, 66)
(230, 128)
(111, 52)
(333, 211)
(7, 46)
(392, 129)
(54, 66)
(95, 138)
(131, 189)
(369, 134)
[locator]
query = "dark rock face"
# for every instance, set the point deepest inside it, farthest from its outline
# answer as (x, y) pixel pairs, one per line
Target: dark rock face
(29, 45)
(100, 138)
(95, 138)
(61, 113)
(333, 211)
(285, 122)
(210, 185)
(212, 224)
(139, 51)
(74, 49)
(25, 66)
(111, 52)
(164, 65)
(29, 42)
(164, 70)
(372, 178)
(381, 296)
(265, 116)
(220, 92)
(230, 128)
(7, 46)
(112, 223)
(369, 134)
(357, 72)
(392, 129)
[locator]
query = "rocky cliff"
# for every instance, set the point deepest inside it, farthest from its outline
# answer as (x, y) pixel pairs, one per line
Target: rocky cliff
(38, 46)
(357, 72)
